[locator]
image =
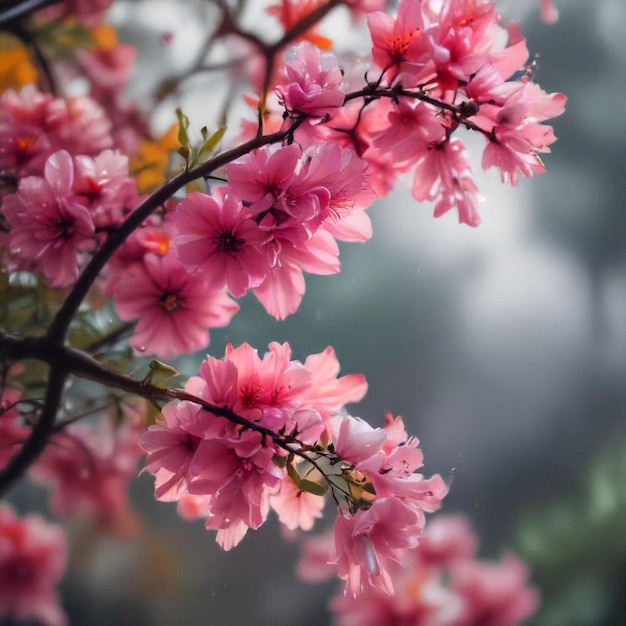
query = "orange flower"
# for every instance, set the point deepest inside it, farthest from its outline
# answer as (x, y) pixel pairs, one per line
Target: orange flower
(16, 69)
(149, 166)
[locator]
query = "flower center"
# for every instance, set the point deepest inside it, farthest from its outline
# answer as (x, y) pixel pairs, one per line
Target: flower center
(169, 302)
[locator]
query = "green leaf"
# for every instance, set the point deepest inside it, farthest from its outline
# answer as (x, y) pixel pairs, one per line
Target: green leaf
(293, 474)
(211, 142)
(161, 375)
(314, 488)
(185, 149)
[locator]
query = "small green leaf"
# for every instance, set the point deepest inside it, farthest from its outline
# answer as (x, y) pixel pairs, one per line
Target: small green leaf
(160, 375)
(293, 474)
(314, 488)
(210, 142)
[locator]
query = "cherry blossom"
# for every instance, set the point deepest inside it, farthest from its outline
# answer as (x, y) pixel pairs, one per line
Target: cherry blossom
(32, 562)
(174, 308)
(310, 81)
(49, 225)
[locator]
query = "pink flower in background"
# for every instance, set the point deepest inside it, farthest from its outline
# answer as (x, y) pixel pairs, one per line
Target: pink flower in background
(309, 81)
(32, 563)
(437, 582)
(89, 469)
(215, 238)
(549, 13)
(48, 224)
(494, 593)
(175, 309)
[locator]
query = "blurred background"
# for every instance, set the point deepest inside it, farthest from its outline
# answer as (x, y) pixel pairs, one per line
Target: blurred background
(503, 347)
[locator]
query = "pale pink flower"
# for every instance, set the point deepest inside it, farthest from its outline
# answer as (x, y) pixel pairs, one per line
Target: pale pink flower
(549, 13)
(495, 593)
(309, 82)
(446, 540)
(418, 600)
(317, 558)
(516, 133)
(48, 224)
(329, 393)
(32, 562)
(175, 309)
(443, 175)
(215, 238)
(296, 508)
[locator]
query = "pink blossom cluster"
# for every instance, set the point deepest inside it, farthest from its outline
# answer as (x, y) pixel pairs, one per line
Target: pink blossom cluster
(252, 434)
(439, 67)
(280, 215)
(440, 582)
(32, 562)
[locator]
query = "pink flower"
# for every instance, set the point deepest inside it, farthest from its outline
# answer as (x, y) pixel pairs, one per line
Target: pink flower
(368, 543)
(48, 224)
(399, 43)
(89, 469)
(549, 13)
(104, 185)
(170, 449)
(329, 393)
(215, 238)
(516, 133)
(309, 82)
(175, 309)
(239, 475)
(296, 508)
(32, 562)
(495, 594)
(443, 175)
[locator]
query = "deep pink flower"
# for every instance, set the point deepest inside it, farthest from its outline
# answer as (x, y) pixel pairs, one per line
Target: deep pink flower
(175, 309)
(309, 82)
(32, 562)
(215, 238)
(48, 224)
